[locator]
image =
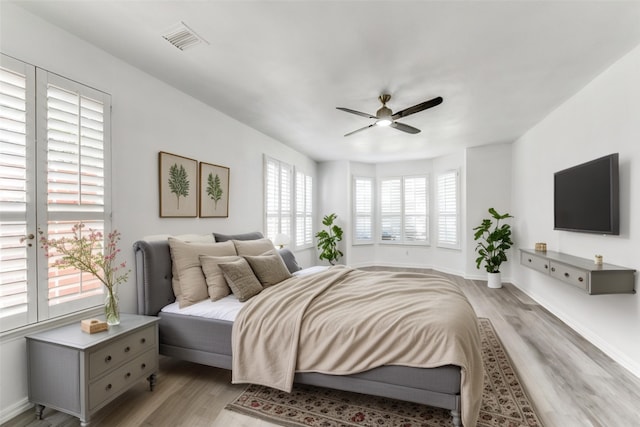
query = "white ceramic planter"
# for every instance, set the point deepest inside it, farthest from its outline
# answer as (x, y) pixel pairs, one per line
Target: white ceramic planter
(494, 280)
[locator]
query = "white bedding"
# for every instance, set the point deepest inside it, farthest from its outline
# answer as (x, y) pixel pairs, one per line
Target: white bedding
(226, 308)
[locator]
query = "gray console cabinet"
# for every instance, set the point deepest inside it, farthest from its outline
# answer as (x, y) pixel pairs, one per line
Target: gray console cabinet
(580, 272)
(79, 373)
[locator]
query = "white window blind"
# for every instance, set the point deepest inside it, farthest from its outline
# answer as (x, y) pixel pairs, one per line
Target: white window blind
(404, 210)
(49, 188)
(448, 218)
(416, 207)
(391, 209)
(304, 210)
(278, 191)
(363, 209)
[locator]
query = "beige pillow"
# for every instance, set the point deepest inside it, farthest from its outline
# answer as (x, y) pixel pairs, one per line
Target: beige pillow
(190, 286)
(241, 279)
(268, 268)
(253, 247)
(187, 238)
(216, 284)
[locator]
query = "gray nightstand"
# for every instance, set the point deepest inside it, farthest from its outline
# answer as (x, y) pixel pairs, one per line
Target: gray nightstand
(79, 373)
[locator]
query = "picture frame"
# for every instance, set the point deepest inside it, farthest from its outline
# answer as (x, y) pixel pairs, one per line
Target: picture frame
(214, 191)
(178, 184)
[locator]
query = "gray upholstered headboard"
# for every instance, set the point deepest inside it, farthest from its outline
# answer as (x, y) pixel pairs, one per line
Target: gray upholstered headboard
(153, 274)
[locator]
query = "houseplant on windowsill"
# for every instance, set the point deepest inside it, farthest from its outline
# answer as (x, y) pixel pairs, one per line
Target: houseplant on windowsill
(328, 240)
(494, 241)
(90, 252)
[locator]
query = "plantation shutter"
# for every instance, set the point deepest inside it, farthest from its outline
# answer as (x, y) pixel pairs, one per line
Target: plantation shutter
(304, 210)
(363, 209)
(448, 209)
(17, 194)
(416, 224)
(391, 209)
(278, 184)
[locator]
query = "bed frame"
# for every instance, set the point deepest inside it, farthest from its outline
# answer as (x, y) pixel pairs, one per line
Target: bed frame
(208, 342)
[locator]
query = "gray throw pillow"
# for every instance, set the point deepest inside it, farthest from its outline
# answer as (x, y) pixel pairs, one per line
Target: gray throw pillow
(240, 278)
(289, 260)
(245, 236)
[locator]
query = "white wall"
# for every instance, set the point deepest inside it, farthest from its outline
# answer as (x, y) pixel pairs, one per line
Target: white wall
(148, 116)
(488, 185)
(599, 120)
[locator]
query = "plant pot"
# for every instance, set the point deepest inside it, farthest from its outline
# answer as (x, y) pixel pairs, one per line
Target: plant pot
(494, 280)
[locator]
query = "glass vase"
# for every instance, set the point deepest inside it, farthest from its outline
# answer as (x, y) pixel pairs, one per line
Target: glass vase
(111, 308)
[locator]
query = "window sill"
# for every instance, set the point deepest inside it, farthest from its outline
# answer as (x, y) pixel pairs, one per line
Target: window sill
(22, 331)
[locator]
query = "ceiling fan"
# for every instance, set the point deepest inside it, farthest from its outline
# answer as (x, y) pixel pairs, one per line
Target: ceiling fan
(385, 117)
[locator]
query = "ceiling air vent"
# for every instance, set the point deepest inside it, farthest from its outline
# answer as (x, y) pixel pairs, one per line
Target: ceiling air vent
(182, 36)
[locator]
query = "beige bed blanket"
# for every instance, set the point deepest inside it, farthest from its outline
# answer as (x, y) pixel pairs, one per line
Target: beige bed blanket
(343, 321)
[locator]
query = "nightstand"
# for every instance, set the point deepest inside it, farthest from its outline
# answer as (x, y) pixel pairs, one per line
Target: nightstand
(79, 373)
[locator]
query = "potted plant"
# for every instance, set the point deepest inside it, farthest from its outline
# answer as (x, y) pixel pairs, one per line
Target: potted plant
(494, 240)
(328, 240)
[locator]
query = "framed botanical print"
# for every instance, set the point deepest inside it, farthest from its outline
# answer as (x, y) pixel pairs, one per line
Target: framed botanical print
(214, 191)
(178, 186)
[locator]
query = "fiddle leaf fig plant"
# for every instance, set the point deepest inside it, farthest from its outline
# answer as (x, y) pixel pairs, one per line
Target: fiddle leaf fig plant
(494, 240)
(328, 240)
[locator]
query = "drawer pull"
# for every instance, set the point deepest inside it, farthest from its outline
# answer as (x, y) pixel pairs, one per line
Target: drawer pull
(127, 349)
(566, 274)
(107, 359)
(553, 269)
(108, 387)
(580, 279)
(546, 266)
(143, 340)
(127, 375)
(143, 366)
(529, 259)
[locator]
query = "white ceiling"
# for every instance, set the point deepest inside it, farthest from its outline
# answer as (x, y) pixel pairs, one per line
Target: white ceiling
(282, 67)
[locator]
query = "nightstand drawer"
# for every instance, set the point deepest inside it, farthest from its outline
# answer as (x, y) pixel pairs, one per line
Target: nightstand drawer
(535, 262)
(573, 276)
(110, 386)
(121, 350)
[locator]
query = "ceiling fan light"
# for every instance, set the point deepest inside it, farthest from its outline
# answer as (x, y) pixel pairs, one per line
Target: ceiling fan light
(383, 122)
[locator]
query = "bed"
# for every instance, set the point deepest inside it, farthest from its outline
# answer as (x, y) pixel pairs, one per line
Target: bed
(205, 340)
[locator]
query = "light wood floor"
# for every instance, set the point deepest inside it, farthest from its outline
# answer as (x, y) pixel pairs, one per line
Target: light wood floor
(571, 383)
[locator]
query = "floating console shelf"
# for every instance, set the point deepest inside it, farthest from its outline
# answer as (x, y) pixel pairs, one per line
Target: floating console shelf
(581, 272)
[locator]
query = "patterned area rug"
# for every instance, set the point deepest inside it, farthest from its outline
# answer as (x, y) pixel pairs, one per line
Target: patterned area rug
(504, 402)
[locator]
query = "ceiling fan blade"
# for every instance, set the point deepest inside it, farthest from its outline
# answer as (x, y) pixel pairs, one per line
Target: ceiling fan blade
(358, 130)
(348, 110)
(417, 108)
(404, 128)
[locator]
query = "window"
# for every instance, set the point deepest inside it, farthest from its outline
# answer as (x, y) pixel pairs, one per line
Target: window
(404, 210)
(278, 184)
(304, 210)
(448, 209)
(50, 185)
(363, 209)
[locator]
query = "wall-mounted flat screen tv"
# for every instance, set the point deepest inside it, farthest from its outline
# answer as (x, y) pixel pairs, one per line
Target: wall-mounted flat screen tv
(586, 197)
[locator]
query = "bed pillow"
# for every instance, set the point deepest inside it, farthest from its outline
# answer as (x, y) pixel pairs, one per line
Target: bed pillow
(246, 236)
(289, 260)
(253, 247)
(268, 268)
(191, 286)
(216, 284)
(240, 278)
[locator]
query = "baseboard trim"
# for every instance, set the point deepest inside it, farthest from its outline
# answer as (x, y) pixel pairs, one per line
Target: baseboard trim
(586, 333)
(12, 411)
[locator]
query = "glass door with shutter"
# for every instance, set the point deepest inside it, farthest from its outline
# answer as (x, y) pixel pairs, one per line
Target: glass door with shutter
(54, 173)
